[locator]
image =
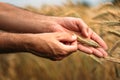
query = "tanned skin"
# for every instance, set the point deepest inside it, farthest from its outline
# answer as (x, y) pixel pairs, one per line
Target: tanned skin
(45, 36)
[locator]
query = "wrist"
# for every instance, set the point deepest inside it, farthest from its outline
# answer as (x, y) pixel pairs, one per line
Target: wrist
(22, 41)
(11, 42)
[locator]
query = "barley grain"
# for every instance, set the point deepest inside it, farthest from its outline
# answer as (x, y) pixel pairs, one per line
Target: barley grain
(112, 59)
(87, 42)
(114, 32)
(117, 44)
(111, 23)
(92, 43)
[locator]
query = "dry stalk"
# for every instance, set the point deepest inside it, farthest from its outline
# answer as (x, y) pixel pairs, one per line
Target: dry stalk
(114, 32)
(101, 15)
(106, 14)
(92, 43)
(117, 44)
(112, 59)
(87, 42)
(111, 23)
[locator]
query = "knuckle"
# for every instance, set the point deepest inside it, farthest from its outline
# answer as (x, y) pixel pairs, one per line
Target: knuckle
(63, 33)
(79, 19)
(90, 29)
(56, 58)
(67, 34)
(69, 17)
(64, 52)
(76, 48)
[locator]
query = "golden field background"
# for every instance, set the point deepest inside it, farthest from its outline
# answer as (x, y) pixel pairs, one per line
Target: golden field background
(78, 66)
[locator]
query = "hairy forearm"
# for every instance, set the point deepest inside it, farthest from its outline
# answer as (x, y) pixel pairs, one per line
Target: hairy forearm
(11, 42)
(15, 19)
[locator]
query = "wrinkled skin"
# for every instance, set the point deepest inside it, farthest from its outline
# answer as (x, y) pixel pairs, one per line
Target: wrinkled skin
(52, 45)
(67, 24)
(29, 22)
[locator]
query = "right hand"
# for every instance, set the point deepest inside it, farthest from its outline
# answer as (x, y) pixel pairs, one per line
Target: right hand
(54, 46)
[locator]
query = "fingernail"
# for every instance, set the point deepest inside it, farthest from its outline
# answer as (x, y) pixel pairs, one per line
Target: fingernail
(74, 36)
(86, 34)
(100, 54)
(106, 47)
(105, 54)
(90, 51)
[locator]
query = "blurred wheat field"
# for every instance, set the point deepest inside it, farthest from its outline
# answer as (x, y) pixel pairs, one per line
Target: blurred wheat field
(78, 66)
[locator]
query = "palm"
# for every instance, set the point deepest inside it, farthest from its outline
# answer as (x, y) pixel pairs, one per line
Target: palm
(77, 25)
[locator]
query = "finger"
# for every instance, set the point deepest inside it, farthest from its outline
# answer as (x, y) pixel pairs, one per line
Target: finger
(84, 49)
(102, 51)
(83, 27)
(85, 32)
(99, 40)
(89, 32)
(69, 48)
(65, 37)
(96, 52)
(72, 47)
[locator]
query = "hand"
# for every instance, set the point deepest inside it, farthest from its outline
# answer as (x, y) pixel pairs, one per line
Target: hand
(99, 52)
(54, 46)
(77, 25)
(34, 23)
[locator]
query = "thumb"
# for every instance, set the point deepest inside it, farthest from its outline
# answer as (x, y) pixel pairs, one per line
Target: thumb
(83, 27)
(85, 32)
(65, 37)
